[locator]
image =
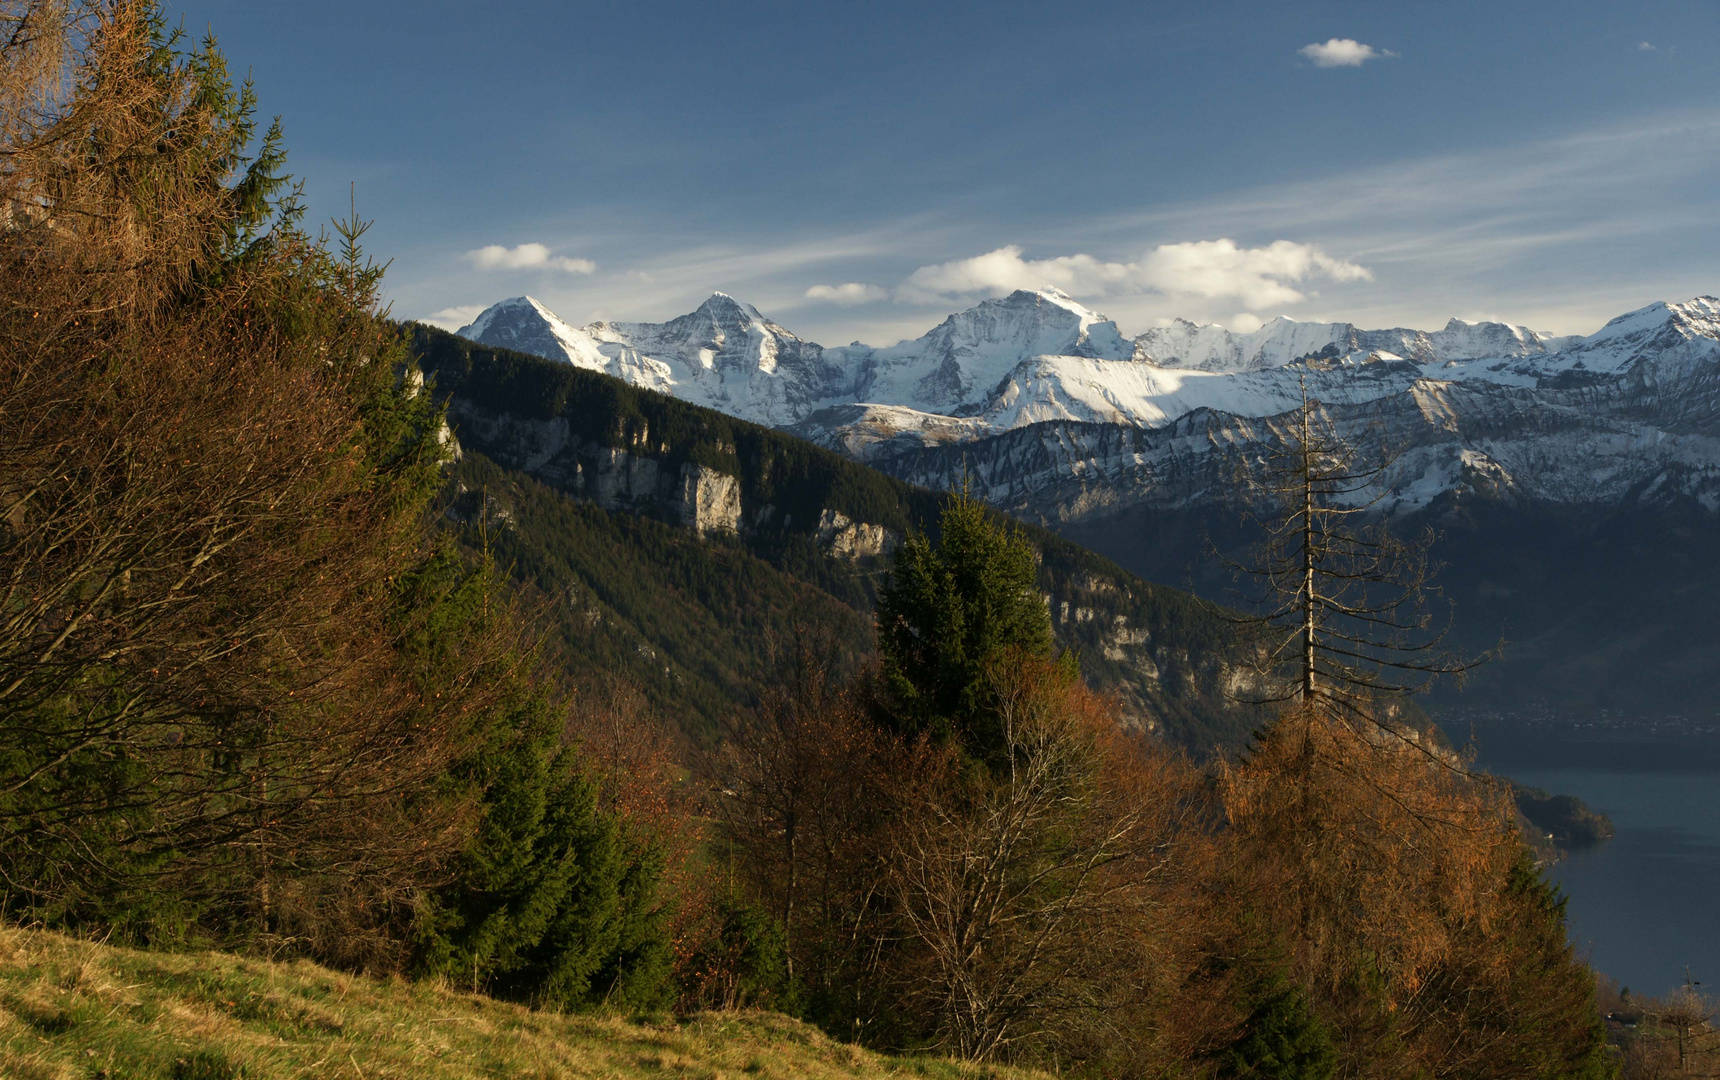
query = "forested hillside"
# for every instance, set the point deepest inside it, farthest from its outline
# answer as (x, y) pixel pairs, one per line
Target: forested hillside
(689, 619)
(690, 596)
(282, 677)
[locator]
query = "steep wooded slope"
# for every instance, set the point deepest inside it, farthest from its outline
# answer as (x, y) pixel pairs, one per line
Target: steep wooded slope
(1597, 607)
(678, 544)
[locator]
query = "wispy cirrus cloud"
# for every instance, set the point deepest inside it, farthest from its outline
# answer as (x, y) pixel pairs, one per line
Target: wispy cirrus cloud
(1267, 276)
(1561, 233)
(527, 257)
(645, 284)
(1342, 52)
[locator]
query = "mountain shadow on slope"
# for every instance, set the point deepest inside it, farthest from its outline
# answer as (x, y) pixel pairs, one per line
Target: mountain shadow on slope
(1598, 607)
(678, 544)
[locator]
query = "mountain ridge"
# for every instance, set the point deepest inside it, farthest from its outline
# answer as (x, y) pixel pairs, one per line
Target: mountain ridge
(593, 471)
(1539, 472)
(1011, 363)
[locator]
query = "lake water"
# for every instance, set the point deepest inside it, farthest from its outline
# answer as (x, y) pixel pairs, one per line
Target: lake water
(1645, 904)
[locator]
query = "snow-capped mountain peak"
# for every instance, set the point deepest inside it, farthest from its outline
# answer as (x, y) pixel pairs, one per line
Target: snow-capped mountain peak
(1065, 417)
(524, 324)
(1648, 331)
(958, 362)
(1041, 323)
(1053, 294)
(1039, 355)
(724, 310)
(1183, 344)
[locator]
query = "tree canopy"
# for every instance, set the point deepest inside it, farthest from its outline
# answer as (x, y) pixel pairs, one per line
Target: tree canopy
(952, 606)
(247, 694)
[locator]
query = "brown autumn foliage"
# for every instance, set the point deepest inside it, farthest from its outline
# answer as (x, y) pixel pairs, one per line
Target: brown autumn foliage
(1393, 885)
(1369, 844)
(640, 762)
(1012, 886)
(796, 796)
(930, 901)
(1101, 904)
(212, 470)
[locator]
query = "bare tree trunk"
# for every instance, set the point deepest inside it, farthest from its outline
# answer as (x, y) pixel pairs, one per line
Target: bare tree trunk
(1341, 601)
(1310, 610)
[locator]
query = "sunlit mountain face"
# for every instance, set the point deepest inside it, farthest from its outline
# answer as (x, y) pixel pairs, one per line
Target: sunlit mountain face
(1093, 420)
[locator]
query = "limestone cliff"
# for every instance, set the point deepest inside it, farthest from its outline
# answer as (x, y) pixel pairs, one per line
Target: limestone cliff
(831, 523)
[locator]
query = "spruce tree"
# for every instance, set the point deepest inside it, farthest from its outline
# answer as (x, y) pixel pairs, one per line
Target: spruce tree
(1281, 1040)
(552, 904)
(551, 900)
(950, 608)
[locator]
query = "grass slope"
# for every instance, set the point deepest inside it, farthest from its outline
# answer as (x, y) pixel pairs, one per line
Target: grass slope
(71, 1008)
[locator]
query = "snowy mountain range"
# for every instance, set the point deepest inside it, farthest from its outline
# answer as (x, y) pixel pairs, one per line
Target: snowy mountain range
(1060, 416)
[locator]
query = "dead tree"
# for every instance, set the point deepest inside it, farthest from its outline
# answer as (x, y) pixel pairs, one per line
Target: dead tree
(1344, 605)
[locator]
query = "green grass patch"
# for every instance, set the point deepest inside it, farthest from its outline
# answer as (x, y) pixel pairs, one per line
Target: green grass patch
(76, 1010)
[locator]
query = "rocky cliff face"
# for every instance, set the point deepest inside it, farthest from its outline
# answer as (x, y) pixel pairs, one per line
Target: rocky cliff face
(1063, 416)
(841, 536)
(641, 479)
(1173, 664)
(1585, 436)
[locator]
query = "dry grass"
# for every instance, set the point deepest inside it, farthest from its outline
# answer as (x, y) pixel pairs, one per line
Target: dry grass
(75, 1009)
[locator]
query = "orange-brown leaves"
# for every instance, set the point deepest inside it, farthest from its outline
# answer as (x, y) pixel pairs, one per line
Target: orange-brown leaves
(208, 493)
(1373, 847)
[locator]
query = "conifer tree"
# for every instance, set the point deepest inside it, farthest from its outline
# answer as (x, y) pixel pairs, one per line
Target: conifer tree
(1282, 1039)
(246, 697)
(552, 904)
(950, 608)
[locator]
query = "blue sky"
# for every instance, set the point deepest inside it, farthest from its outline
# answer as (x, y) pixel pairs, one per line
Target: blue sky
(859, 170)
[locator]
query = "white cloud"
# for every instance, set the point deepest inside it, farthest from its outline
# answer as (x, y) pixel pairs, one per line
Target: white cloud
(1343, 52)
(1004, 270)
(526, 257)
(1210, 269)
(453, 318)
(1259, 277)
(1561, 234)
(1246, 323)
(1643, 46)
(847, 295)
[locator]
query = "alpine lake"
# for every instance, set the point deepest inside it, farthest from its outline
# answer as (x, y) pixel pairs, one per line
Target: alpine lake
(1643, 907)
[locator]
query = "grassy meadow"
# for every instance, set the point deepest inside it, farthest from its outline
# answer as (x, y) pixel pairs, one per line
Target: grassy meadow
(79, 1009)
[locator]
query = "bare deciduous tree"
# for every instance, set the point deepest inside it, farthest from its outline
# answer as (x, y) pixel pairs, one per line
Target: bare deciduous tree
(1006, 884)
(799, 793)
(1686, 1021)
